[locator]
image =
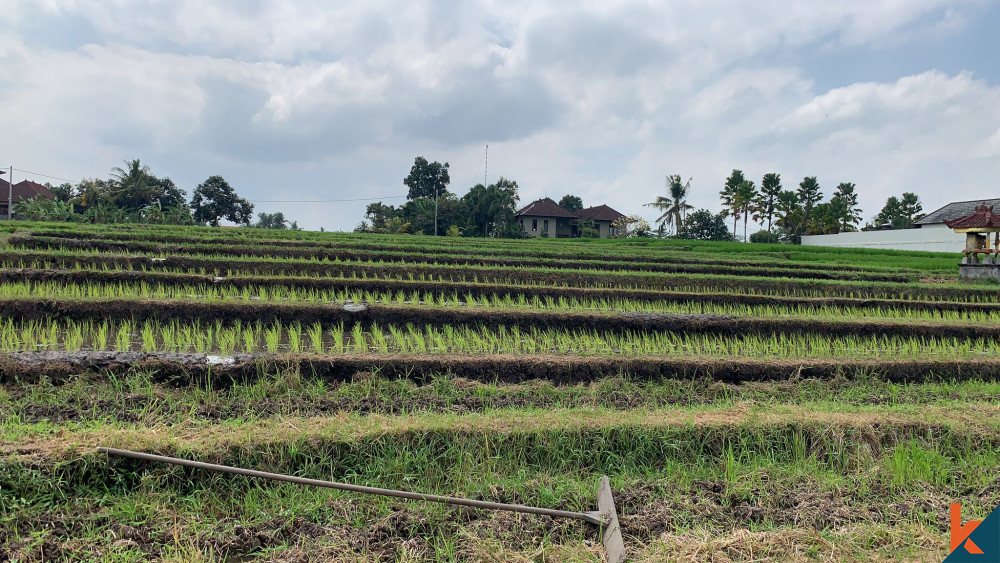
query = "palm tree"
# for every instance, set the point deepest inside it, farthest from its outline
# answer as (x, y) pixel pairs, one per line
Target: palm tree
(743, 201)
(130, 186)
(809, 195)
(787, 206)
(728, 195)
(674, 206)
(770, 187)
(851, 215)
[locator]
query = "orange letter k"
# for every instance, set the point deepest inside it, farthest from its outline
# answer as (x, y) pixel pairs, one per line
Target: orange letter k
(960, 533)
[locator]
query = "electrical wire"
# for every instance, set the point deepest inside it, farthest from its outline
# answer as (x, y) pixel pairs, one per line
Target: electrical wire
(252, 200)
(45, 175)
(325, 200)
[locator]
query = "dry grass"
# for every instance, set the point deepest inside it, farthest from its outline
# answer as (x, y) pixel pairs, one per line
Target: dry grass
(908, 543)
(210, 438)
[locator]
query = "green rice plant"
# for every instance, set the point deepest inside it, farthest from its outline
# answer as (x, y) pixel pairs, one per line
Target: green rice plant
(168, 336)
(9, 336)
(100, 340)
(337, 335)
(249, 339)
(272, 337)
(359, 343)
(227, 339)
(378, 341)
(186, 338)
(148, 337)
(204, 340)
(123, 338)
(295, 337)
(315, 334)
(912, 461)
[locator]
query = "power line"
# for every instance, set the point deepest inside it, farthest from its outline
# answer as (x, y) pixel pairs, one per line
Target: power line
(45, 175)
(252, 200)
(325, 200)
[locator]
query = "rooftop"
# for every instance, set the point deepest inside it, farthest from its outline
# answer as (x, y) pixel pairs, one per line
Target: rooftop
(982, 218)
(598, 213)
(545, 207)
(955, 210)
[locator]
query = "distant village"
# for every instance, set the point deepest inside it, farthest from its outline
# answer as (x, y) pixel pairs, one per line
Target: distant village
(801, 216)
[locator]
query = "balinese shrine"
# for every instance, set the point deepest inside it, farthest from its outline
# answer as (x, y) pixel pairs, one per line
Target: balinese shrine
(982, 259)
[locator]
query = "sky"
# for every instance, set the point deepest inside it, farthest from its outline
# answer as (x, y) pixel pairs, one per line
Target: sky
(299, 103)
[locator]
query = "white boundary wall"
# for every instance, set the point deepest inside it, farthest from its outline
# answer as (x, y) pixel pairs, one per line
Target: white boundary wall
(934, 238)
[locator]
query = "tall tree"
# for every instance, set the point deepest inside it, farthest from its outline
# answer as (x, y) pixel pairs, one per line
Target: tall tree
(674, 205)
(728, 195)
(827, 218)
(788, 209)
(851, 213)
(379, 215)
(63, 192)
(899, 213)
(911, 207)
(427, 179)
(133, 188)
(743, 200)
(491, 208)
(271, 221)
(631, 226)
(215, 199)
(571, 203)
(130, 185)
(704, 225)
(809, 196)
(890, 214)
(770, 187)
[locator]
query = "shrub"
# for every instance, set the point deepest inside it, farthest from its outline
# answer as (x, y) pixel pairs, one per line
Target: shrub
(765, 237)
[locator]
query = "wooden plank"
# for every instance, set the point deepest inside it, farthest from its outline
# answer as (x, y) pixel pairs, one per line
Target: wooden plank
(614, 545)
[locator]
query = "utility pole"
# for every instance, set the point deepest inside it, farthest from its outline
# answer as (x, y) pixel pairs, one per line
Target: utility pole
(435, 210)
(10, 192)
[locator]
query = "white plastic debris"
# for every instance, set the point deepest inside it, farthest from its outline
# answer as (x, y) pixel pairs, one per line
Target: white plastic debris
(220, 360)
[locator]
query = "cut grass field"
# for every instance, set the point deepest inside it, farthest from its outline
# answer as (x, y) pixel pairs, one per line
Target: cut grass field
(772, 416)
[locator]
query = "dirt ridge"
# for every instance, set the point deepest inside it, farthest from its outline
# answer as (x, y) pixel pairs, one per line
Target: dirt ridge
(185, 369)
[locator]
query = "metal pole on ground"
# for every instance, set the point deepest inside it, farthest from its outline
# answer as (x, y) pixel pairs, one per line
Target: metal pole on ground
(10, 193)
(606, 517)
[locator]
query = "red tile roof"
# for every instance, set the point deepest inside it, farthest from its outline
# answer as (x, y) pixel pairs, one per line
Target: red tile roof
(598, 213)
(545, 207)
(982, 218)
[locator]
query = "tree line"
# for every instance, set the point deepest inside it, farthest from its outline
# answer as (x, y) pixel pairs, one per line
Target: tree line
(788, 214)
(133, 194)
(485, 211)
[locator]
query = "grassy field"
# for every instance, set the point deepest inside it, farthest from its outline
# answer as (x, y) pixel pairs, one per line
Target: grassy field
(748, 402)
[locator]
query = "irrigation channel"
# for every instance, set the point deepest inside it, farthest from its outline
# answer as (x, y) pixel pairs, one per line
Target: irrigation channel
(746, 402)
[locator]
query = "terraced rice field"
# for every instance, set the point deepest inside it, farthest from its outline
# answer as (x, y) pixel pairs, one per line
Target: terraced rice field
(748, 402)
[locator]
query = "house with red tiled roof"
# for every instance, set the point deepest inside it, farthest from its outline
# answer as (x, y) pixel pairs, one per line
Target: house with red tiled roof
(602, 217)
(23, 191)
(546, 218)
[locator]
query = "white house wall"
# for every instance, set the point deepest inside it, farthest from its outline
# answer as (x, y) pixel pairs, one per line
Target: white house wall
(933, 238)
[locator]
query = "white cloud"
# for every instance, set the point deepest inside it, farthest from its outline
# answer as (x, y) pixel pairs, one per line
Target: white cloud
(602, 98)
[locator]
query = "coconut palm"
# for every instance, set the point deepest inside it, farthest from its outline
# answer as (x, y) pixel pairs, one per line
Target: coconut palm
(743, 201)
(674, 205)
(131, 186)
(764, 208)
(731, 205)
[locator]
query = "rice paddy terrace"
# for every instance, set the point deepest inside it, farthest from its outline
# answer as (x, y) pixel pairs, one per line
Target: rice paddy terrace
(748, 402)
